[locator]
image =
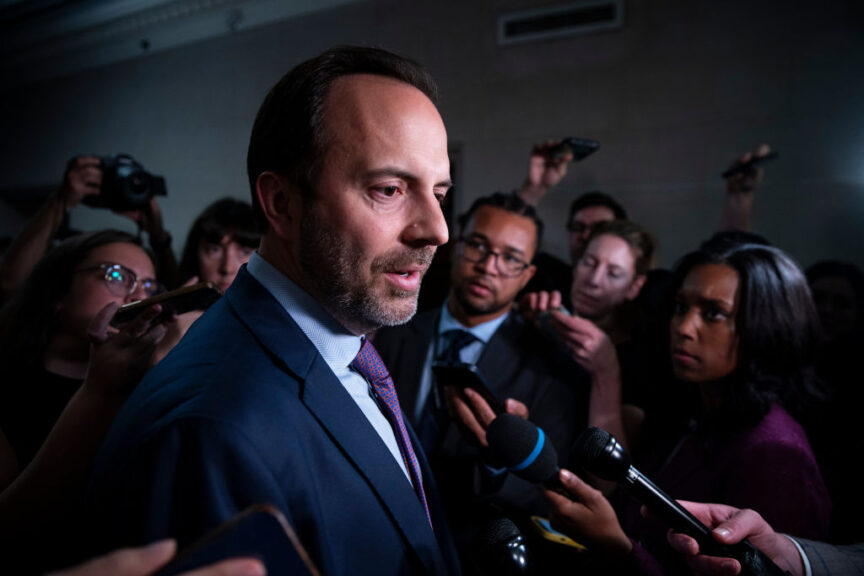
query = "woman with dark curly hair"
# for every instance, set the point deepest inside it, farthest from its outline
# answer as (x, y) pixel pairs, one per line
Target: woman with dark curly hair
(743, 335)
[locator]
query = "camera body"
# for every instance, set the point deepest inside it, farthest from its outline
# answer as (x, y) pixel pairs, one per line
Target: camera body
(126, 185)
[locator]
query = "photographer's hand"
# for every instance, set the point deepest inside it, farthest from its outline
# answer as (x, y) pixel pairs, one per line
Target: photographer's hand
(82, 178)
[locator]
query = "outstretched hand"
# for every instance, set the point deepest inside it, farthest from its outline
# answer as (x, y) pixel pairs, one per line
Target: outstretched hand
(730, 526)
(545, 170)
(747, 181)
(473, 414)
(588, 517)
(146, 560)
(119, 358)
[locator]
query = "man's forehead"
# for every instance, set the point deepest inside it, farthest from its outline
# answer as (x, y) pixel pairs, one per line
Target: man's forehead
(511, 229)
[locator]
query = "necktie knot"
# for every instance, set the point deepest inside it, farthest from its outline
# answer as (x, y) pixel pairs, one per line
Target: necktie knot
(455, 341)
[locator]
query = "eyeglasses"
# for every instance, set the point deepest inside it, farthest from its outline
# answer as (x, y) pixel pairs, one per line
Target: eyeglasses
(477, 251)
(122, 281)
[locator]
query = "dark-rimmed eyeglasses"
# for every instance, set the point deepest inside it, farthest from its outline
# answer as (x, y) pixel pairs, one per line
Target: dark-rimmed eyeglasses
(121, 281)
(478, 251)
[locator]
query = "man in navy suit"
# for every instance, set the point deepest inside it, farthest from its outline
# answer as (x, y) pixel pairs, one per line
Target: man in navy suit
(270, 396)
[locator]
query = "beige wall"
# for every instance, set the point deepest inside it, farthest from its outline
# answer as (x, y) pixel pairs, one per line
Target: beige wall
(673, 96)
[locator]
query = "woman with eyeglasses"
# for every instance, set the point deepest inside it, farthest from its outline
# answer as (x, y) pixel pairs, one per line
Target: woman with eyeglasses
(44, 342)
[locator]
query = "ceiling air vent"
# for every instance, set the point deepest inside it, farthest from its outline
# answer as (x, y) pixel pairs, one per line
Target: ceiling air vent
(560, 20)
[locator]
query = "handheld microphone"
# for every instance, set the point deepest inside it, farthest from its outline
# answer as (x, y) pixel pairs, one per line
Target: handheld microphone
(522, 448)
(599, 453)
(500, 549)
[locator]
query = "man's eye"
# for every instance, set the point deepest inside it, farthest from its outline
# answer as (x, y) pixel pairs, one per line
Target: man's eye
(388, 191)
(510, 259)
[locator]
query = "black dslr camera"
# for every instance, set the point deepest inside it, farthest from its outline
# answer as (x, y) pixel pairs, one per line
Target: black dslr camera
(126, 185)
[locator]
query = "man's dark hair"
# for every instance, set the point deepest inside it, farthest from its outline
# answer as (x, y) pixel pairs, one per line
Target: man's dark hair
(596, 198)
(289, 136)
(511, 202)
(224, 217)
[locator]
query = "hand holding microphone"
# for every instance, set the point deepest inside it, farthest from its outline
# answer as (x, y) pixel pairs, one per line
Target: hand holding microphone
(579, 510)
(600, 454)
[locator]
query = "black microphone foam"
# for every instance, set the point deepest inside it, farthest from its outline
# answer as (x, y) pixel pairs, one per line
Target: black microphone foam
(522, 448)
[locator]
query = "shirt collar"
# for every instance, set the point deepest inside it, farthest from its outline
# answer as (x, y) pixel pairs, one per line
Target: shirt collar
(482, 332)
(337, 346)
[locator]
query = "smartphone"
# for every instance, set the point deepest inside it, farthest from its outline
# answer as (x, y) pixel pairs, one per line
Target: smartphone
(748, 166)
(260, 531)
(195, 297)
(467, 376)
(546, 531)
(580, 147)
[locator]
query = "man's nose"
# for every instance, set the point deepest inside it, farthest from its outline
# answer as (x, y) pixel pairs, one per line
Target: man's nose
(427, 226)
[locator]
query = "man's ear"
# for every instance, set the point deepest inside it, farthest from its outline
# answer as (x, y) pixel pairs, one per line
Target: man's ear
(636, 287)
(279, 202)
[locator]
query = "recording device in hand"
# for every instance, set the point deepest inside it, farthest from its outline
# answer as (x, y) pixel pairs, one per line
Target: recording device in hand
(579, 147)
(463, 375)
(260, 531)
(126, 185)
(522, 448)
(501, 550)
(195, 297)
(597, 452)
(753, 164)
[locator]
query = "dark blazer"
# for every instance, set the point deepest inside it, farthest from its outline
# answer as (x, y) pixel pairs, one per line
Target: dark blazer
(243, 411)
(518, 362)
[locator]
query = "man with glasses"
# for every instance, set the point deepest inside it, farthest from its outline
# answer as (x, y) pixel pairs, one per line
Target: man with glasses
(477, 325)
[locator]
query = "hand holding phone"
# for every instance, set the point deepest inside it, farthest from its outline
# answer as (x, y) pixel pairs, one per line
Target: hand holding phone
(749, 166)
(195, 297)
(467, 376)
(579, 147)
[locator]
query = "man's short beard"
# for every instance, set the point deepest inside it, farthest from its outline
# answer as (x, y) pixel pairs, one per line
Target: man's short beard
(332, 266)
(473, 310)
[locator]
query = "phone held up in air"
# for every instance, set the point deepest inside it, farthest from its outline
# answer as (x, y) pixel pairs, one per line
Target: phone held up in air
(463, 375)
(752, 164)
(579, 147)
(261, 532)
(195, 297)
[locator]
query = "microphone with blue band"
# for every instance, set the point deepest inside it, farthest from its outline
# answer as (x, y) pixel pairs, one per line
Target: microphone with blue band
(520, 447)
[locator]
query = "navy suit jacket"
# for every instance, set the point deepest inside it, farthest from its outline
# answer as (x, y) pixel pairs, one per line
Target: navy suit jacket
(243, 411)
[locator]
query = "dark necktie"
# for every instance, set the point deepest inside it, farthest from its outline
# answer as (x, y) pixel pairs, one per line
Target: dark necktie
(369, 365)
(456, 341)
(433, 417)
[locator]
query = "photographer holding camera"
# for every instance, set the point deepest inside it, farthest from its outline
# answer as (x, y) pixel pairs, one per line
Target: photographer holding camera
(118, 183)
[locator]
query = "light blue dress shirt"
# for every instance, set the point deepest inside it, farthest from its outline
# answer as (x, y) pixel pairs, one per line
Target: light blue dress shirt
(337, 346)
(470, 354)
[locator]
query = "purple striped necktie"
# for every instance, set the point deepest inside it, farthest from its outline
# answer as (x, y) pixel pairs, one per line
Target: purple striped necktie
(369, 365)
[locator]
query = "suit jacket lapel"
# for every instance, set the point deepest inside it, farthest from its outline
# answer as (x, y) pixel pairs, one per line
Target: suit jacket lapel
(501, 357)
(338, 414)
